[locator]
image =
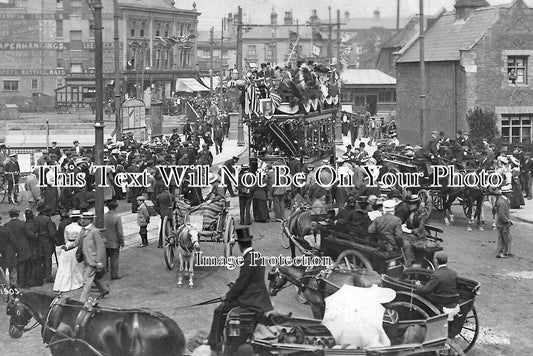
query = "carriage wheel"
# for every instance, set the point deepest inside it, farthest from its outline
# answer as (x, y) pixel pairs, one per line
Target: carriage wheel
(169, 247)
(452, 349)
(437, 201)
(229, 236)
(351, 260)
(469, 332)
(285, 239)
(414, 306)
(425, 198)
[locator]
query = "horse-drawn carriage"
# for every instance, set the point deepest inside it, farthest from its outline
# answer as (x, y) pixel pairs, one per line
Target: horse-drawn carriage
(350, 247)
(188, 226)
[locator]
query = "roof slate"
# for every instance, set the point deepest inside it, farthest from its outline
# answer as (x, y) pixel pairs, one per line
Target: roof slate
(447, 37)
(366, 77)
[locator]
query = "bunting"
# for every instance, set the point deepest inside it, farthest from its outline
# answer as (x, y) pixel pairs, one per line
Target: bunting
(253, 95)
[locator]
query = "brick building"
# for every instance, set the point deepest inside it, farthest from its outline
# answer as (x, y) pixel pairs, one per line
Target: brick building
(476, 56)
(47, 48)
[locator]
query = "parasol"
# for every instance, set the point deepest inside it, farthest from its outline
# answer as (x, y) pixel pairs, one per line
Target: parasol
(354, 316)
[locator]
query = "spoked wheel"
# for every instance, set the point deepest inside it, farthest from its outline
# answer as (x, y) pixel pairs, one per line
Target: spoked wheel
(229, 236)
(3, 193)
(285, 239)
(169, 241)
(469, 332)
(351, 260)
(437, 201)
(452, 349)
(426, 199)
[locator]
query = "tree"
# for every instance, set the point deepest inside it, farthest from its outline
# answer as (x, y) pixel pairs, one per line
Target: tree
(482, 124)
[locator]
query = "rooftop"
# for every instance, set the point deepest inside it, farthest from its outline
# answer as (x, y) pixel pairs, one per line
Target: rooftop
(448, 36)
(366, 77)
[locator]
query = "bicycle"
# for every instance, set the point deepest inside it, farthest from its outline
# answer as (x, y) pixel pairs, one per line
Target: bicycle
(13, 195)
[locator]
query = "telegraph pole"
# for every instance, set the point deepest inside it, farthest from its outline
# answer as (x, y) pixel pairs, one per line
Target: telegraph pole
(211, 43)
(422, 74)
(99, 124)
(337, 128)
(221, 51)
(397, 15)
(118, 128)
(240, 124)
(330, 51)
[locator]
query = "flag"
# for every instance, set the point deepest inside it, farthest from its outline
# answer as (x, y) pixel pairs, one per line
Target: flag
(276, 99)
(316, 50)
(293, 36)
(253, 95)
(161, 39)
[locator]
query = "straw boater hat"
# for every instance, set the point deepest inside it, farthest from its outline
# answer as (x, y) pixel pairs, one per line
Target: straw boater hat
(74, 214)
(88, 215)
(413, 199)
(389, 205)
(506, 189)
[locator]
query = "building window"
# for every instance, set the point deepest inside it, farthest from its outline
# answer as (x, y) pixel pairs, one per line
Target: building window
(167, 28)
(252, 51)
(517, 69)
(142, 30)
(59, 63)
(359, 100)
(388, 96)
(271, 51)
(75, 41)
(516, 128)
(76, 68)
(34, 84)
(346, 96)
(11, 85)
(59, 28)
(59, 82)
(158, 29)
(132, 29)
(181, 29)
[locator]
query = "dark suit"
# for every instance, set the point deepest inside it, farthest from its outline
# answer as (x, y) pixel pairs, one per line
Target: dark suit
(8, 254)
(442, 281)
(249, 291)
(163, 205)
(114, 240)
(22, 235)
(47, 231)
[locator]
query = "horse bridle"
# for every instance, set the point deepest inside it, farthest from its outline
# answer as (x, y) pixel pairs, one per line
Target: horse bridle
(185, 248)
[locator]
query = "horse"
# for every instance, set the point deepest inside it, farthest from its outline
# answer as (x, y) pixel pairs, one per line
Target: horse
(71, 327)
(188, 245)
(473, 198)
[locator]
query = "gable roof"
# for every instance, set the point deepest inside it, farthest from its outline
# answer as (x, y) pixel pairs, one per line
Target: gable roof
(444, 40)
(366, 77)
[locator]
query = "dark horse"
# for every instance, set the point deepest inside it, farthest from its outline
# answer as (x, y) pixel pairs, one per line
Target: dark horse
(71, 327)
(315, 285)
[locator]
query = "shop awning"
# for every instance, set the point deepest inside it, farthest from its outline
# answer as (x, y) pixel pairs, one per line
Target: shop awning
(207, 81)
(189, 85)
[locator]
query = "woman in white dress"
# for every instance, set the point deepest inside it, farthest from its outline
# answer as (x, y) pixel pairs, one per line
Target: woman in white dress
(69, 274)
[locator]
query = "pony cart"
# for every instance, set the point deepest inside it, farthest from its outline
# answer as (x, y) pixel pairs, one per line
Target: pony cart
(188, 226)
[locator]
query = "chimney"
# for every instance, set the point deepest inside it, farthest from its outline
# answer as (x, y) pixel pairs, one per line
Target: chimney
(287, 20)
(465, 8)
(314, 18)
(273, 18)
(376, 13)
(346, 15)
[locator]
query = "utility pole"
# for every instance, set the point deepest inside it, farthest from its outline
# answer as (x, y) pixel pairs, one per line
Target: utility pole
(222, 22)
(211, 43)
(118, 125)
(240, 124)
(422, 74)
(339, 65)
(330, 51)
(99, 124)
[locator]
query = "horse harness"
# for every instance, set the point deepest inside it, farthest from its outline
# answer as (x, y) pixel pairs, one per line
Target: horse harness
(188, 249)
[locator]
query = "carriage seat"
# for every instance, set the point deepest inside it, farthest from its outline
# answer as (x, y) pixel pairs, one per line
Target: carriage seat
(449, 300)
(241, 321)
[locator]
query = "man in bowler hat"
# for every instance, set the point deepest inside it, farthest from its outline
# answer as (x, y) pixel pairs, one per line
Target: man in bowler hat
(249, 290)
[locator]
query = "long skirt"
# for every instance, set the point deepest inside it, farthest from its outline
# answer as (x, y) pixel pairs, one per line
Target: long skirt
(69, 274)
(260, 209)
(516, 198)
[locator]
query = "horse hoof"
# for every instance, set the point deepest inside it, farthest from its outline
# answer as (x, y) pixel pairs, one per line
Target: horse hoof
(191, 286)
(469, 229)
(481, 228)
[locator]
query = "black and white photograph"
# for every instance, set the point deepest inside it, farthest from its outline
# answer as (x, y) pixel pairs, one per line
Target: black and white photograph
(266, 177)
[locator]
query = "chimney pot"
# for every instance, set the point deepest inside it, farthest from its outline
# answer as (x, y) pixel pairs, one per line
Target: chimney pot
(347, 14)
(376, 13)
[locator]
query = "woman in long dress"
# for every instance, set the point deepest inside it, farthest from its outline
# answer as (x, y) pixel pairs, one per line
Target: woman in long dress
(69, 274)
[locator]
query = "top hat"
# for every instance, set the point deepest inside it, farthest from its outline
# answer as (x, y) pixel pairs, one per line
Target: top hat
(243, 234)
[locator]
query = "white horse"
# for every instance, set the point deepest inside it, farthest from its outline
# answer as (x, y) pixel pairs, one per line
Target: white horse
(187, 238)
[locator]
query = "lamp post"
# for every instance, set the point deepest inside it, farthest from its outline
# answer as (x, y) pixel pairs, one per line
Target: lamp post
(96, 7)
(240, 123)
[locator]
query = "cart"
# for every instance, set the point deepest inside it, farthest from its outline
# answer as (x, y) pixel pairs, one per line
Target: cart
(211, 219)
(464, 328)
(304, 336)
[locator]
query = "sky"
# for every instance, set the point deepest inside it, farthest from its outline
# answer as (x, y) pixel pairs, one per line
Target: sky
(259, 10)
